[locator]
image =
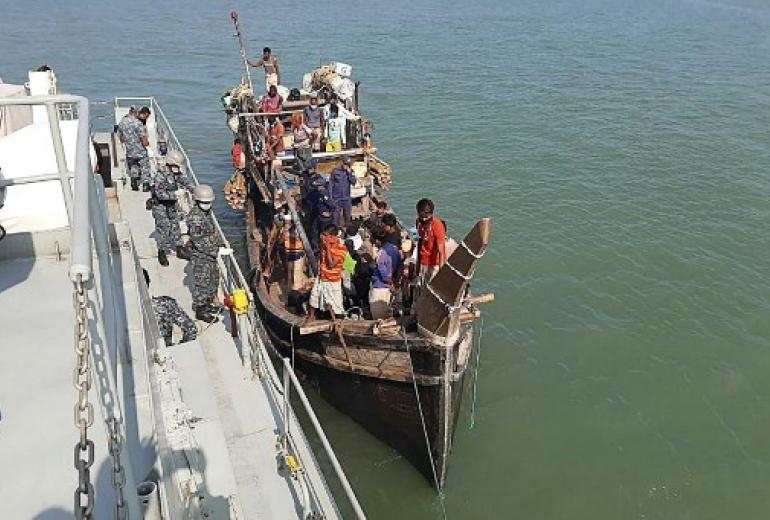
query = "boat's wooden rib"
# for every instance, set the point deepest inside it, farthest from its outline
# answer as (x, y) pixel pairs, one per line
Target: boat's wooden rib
(438, 307)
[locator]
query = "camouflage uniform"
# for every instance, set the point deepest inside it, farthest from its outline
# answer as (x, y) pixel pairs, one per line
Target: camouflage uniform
(205, 245)
(168, 312)
(132, 130)
(164, 208)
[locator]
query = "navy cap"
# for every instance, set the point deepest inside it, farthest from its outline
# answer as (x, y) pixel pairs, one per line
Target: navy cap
(313, 164)
(346, 159)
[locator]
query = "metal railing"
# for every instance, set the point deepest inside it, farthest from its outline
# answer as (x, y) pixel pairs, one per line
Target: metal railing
(86, 215)
(253, 350)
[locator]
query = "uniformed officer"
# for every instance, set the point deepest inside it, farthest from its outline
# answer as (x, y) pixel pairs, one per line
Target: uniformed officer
(164, 205)
(133, 135)
(169, 313)
(205, 247)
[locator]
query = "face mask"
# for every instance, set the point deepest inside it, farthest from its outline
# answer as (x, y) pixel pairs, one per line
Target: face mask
(313, 105)
(205, 206)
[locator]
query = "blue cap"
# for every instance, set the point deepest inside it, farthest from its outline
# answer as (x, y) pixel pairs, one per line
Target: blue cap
(313, 164)
(346, 159)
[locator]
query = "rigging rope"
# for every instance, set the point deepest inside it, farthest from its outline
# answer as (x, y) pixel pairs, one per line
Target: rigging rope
(480, 329)
(440, 491)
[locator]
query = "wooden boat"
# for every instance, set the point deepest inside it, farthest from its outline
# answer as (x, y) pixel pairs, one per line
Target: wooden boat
(401, 378)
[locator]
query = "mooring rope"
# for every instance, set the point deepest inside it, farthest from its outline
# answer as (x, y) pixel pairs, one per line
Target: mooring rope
(480, 329)
(439, 490)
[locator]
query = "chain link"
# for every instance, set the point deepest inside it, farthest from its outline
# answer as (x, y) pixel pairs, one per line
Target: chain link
(84, 410)
(115, 446)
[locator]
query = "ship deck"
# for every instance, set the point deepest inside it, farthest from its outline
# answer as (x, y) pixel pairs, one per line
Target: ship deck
(235, 416)
(238, 424)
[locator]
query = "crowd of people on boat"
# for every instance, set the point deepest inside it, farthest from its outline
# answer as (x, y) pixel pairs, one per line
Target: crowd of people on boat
(367, 266)
(371, 264)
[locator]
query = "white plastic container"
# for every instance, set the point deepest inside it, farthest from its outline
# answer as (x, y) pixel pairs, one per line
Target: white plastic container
(307, 81)
(343, 69)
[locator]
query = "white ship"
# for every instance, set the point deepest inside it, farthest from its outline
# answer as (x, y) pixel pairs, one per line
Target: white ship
(93, 404)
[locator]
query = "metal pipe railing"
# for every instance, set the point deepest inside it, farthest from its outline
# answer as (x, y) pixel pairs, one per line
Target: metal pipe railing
(290, 379)
(77, 204)
(253, 349)
(61, 160)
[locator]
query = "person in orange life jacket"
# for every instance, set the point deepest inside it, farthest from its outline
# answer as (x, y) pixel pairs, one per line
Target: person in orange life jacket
(327, 289)
(431, 253)
(340, 182)
(294, 255)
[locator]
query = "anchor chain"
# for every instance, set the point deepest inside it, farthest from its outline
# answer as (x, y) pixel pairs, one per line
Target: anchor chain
(115, 447)
(84, 409)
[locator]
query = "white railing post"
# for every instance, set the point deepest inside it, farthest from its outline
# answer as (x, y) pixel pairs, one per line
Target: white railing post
(58, 149)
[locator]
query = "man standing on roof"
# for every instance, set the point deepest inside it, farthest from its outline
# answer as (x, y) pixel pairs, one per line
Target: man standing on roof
(163, 203)
(206, 246)
(133, 134)
(168, 313)
(340, 182)
(327, 289)
(270, 63)
(431, 254)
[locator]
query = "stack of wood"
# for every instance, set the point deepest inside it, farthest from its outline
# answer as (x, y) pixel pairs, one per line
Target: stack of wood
(381, 171)
(236, 190)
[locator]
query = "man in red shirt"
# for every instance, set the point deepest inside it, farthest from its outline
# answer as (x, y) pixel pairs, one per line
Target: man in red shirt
(431, 254)
(239, 159)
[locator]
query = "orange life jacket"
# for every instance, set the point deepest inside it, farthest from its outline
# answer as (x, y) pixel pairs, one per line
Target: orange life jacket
(331, 268)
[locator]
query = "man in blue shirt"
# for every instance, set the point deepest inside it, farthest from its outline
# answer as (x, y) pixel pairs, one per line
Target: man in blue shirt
(384, 275)
(340, 182)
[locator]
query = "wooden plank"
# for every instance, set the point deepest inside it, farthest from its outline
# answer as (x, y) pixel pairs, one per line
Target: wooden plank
(481, 298)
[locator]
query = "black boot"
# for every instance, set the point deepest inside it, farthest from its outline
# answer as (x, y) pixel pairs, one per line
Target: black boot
(162, 258)
(135, 184)
(214, 310)
(182, 253)
(145, 186)
(201, 313)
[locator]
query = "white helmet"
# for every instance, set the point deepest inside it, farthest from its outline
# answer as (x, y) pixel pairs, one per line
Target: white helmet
(176, 158)
(203, 193)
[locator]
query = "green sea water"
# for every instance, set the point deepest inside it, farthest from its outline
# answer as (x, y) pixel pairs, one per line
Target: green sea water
(621, 148)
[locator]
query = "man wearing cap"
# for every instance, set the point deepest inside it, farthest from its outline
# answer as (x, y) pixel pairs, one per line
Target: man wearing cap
(341, 181)
(133, 134)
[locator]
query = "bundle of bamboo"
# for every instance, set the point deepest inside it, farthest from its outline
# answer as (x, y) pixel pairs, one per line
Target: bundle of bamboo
(236, 190)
